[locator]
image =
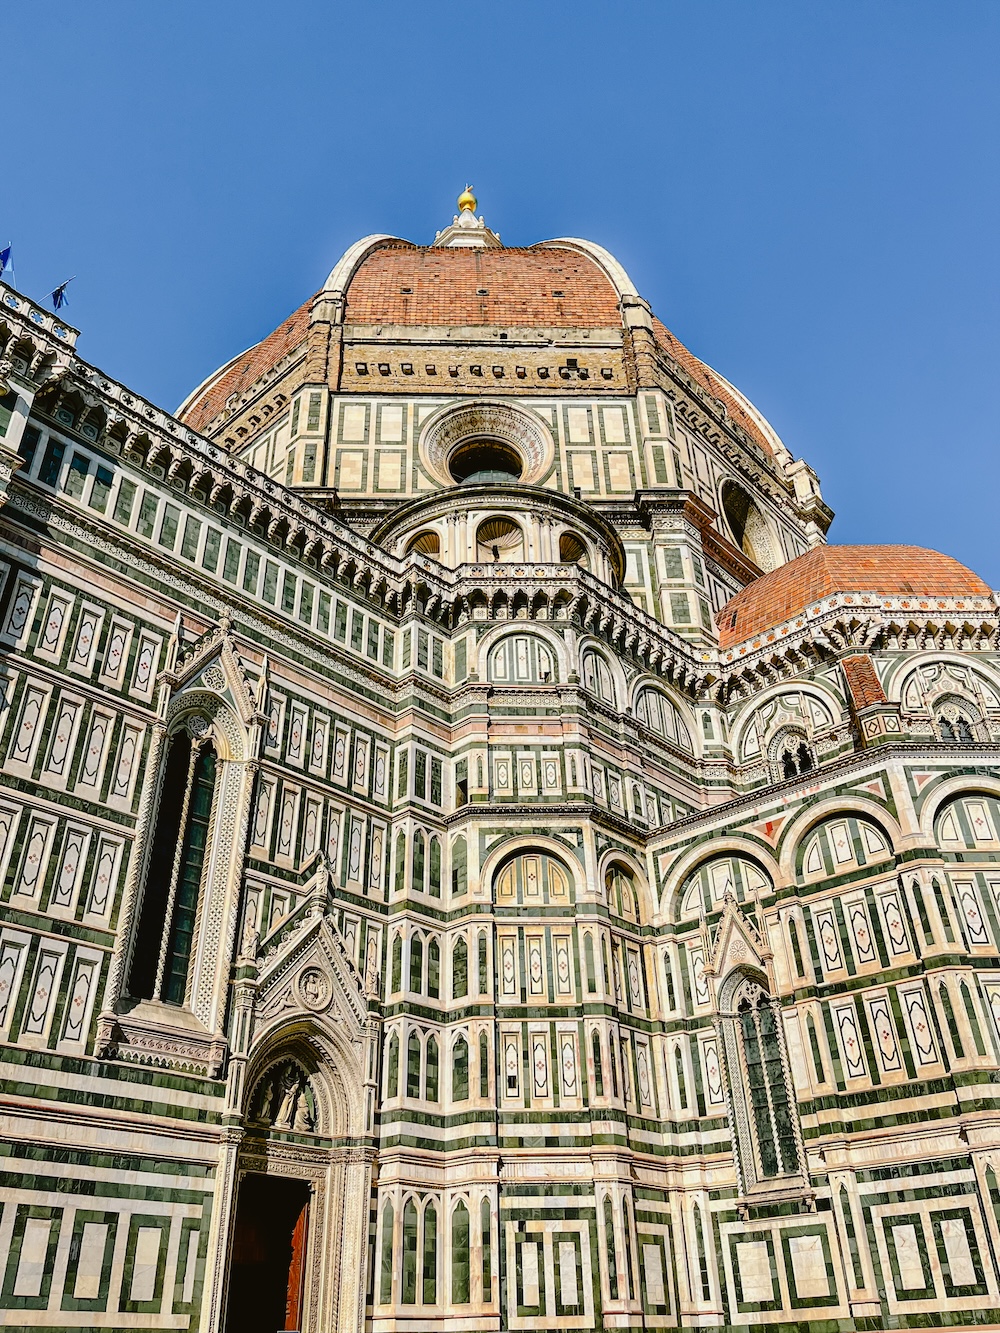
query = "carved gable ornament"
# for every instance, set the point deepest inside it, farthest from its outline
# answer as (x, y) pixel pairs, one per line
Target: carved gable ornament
(213, 665)
(312, 977)
(737, 944)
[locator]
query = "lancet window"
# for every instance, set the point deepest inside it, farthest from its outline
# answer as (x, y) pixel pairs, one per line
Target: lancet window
(766, 1133)
(164, 940)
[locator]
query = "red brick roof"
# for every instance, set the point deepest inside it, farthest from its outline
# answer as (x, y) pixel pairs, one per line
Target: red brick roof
(248, 368)
(421, 285)
(866, 688)
(701, 374)
(891, 570)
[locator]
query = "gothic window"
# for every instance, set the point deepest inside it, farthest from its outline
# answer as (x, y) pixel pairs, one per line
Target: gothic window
(460, 1255)
(418, 861)
(397, 965)
(765, 1131)
(400, 880)
(433, 970)
(460, 1071)
(654, 710)
(588, 957)
(460, 971)
(609, 1242)
(435, 867)
(459, 866)
(392, 1068)
(595, 1046)
(682, 1096)
(431, 1080)
(484, 968)
(791, 755)
(486, 1230)
(416, 964)
(597, 677)
(954, 723)
(413, 1066)
(430, 1256)
(484, 1066)
(409, 1284)
(162, 957)
(385, 1266)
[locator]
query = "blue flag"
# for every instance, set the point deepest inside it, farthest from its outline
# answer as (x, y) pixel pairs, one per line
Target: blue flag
(59, 297)
(4, 258)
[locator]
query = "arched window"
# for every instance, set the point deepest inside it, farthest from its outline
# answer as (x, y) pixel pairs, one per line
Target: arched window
(413, 1066)
(385, 1265)
(484, 967)
(400, 879)
(460, 1255)
(595, 1046)
(791, 755)
(484, 1066)
(459, 866)
(486, 1232)
(521, 659)
(499, 539)
(609, 1243)
(397, 964)
(460, 971)
(416, 964)
(430, 1256)
(431, 1081)
(162, 958)
(427, 543)
(433, 970)
(682, 1095)
(588, 958)
(956, 721)
(408, 1295)
(747, 524)
(573, 550)
(765, 1132)
(627, 1233)
(620, 888)
(392, 1068)
(597, 677)
(418, 861)
(460, 1071)
(435, 867)
(654, 710)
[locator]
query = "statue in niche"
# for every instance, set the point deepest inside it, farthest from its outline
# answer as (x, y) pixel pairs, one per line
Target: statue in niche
(284, 1102)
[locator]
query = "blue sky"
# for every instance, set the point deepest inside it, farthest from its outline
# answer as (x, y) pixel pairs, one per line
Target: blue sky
(807, 193)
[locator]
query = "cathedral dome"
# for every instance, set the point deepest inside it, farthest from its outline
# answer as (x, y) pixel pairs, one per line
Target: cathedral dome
(465, 281)
(890, 571)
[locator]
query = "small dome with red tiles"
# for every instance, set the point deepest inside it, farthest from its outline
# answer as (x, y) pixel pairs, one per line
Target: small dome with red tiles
(892, 571)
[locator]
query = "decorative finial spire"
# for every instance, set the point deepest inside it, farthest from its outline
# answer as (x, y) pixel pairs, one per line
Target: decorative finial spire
(467, 201)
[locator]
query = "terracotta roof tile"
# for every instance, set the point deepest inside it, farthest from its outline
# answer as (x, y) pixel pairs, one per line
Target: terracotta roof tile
(865, 686)
(702, 375)
(421, 285)
(890, 570)
(248, 368)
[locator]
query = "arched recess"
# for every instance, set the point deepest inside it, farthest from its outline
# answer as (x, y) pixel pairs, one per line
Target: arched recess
(809, 708)
(656, 709)
(792, 837)
(936, 796)
(842, 844)
(640, 883)
(938, 673)
(677, 876)
(721, 875)
(749, 528)
(523, 664)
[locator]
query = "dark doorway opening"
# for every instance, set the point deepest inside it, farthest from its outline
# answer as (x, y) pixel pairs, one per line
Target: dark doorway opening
(268, 1264)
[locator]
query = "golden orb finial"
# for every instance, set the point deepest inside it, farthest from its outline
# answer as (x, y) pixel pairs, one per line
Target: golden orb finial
(467, 200)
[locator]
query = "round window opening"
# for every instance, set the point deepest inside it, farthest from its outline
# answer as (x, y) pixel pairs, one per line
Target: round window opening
(482, 461)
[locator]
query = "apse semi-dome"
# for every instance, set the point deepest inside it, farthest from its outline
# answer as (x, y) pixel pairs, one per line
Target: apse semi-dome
(892, 571)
